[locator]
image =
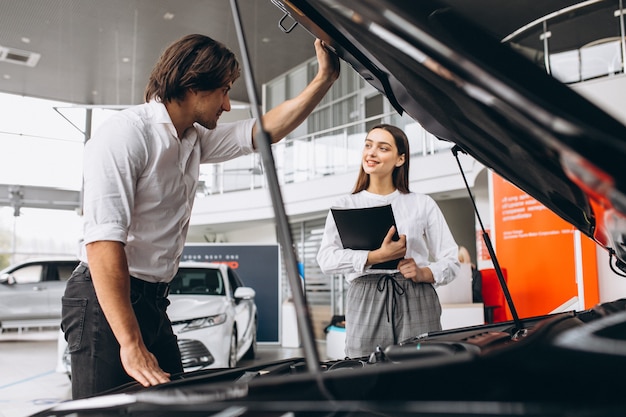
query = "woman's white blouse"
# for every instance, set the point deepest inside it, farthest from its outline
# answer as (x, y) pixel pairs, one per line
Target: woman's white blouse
(429, 240)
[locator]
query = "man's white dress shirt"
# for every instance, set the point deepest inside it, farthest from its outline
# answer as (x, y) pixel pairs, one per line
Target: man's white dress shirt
(140, 182)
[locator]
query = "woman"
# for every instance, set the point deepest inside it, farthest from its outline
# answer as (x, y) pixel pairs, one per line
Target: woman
(385, 307)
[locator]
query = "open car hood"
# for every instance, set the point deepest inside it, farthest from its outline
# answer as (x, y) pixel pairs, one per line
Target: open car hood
(462, 84)
(436, 61)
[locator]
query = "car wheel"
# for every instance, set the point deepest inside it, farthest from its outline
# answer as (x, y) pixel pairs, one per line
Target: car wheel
(232, 354)
(251, 352)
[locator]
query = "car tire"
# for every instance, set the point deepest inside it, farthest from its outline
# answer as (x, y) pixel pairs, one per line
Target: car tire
(251, 352)
(232, 352)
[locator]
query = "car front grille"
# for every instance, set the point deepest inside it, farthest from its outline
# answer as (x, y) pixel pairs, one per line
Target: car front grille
(194, 353)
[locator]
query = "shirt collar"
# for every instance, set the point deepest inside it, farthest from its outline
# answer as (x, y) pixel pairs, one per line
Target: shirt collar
(379, 197)
(161, 116)
(160, 112)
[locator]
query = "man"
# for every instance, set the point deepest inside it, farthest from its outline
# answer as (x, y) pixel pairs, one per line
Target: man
(140, 175)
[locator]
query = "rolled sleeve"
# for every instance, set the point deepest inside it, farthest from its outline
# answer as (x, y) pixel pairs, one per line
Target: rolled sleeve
(113, 162)
(107, 231)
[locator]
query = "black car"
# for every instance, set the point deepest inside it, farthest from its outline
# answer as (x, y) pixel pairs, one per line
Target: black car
(451, 66)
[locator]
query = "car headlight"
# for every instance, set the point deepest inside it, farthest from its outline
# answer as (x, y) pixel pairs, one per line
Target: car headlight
(202, 322)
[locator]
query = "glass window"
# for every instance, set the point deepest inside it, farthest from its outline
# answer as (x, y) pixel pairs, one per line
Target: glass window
(234, 279)
(28, 274)
(565, 66)
(286, 161)
(60, 271)
(600, 59)
(65, 270)
(330, 141)
(296, 81)
(275, 93)
(197, 281)
(235, 282)
(374, 105)
(238, 173)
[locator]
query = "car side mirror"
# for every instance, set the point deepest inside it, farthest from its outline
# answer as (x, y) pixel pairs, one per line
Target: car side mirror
(7, 279)
(244, 293)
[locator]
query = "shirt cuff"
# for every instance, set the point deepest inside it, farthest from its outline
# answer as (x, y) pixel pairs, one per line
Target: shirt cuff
(359, 260)
(110, 231)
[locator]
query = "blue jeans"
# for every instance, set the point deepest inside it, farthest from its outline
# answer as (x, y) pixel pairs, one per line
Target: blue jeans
(95, 353)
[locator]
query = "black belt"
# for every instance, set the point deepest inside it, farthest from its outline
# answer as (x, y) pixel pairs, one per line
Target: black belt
(150, 289)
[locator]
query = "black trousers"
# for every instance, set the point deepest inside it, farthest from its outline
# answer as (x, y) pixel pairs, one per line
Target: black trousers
(95, 353)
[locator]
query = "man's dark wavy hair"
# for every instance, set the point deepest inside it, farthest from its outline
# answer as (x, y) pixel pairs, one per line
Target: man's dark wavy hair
(194, 62)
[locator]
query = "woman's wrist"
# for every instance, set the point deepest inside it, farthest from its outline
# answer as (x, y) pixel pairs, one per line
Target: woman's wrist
(427, 275)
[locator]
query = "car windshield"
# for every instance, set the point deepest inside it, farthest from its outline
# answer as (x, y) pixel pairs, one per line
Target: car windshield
(198, 281)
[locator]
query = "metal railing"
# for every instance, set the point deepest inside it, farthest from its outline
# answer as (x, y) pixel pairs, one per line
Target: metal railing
(556, 42)
(331, 151)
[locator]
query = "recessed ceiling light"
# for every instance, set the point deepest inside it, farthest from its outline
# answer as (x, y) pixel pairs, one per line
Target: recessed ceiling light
(265, 40)
(125, 59)
(168, 16)
(25, 39)
(94, 93)
(6, 76)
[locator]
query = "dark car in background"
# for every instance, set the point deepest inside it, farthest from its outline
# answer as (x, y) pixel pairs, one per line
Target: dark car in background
(31, 291)
(439, 62)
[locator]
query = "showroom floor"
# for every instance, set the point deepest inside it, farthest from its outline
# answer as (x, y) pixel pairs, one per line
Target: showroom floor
(29, 382)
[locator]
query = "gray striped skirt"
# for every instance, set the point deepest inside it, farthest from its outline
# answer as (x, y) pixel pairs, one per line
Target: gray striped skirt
(384, 309)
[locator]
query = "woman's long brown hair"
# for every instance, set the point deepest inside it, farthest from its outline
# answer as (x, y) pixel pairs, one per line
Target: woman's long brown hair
(400, 175)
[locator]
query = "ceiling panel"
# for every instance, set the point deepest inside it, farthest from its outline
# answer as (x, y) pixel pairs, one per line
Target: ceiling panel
(101, 52)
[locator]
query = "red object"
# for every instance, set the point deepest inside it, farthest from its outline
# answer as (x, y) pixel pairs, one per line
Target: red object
(493, 296)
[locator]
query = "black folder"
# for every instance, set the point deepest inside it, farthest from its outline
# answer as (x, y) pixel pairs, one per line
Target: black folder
(365, 229)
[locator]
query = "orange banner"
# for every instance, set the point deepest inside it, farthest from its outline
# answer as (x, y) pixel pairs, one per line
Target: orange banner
(540, 252)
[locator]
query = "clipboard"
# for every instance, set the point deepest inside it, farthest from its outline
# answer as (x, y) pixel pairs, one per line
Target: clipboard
(365, 229)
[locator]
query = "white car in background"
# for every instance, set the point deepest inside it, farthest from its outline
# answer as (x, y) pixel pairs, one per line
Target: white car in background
(213, 314)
